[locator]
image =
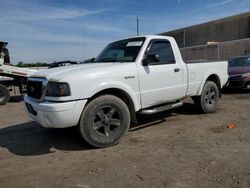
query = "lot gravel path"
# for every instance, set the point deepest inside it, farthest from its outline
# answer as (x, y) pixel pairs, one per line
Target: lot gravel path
(179, 149)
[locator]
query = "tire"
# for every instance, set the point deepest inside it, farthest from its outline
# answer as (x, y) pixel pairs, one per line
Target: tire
(207, 101)
(4, 94)
(104, 121)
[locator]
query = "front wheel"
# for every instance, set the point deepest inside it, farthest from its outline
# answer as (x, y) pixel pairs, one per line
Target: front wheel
(104, 120)
(208, 99)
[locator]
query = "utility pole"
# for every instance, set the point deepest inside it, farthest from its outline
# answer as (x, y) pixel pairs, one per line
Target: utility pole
(184, 43)
(184, 37)
(137, 25)
(83, 43)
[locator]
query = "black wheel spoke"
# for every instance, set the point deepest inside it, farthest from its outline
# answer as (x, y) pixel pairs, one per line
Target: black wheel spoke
(97, 125)
(100, 114)
(107, 130)
(111, 112)
(210, 97)
(212, 94)
(104, 122)
(115, 122)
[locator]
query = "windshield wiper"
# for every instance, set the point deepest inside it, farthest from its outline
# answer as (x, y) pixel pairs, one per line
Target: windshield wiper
(108, 60)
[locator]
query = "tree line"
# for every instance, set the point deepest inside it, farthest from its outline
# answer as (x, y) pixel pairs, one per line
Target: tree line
(38, 64)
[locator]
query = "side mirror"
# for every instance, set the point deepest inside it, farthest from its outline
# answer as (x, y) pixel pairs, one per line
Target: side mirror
(150, 59)
(92, 59)
(89, 60)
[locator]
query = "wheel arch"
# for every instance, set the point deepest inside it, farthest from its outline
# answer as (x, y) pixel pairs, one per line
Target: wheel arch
(123, 95)
(214, 78)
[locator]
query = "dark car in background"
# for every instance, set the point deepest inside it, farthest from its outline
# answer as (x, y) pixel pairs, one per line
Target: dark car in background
(239, 72)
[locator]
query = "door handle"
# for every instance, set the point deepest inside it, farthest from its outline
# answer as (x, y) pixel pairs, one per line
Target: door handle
(177, 69)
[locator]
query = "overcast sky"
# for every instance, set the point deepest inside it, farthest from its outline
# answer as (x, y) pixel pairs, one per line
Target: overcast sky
(47, 30)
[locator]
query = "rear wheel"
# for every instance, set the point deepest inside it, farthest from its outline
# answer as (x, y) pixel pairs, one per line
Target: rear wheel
(208, 99)
(104, 120)
(4, 94)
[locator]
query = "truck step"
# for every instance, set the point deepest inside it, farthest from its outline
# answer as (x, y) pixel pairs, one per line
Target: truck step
(162, 108)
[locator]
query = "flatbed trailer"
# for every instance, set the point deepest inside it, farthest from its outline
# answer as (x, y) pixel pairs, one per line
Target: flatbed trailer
(13, 77)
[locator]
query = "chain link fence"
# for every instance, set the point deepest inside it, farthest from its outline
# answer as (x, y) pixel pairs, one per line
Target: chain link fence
(217, 51)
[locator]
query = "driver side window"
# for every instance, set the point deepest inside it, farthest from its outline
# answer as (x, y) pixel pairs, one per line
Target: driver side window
(164, 51)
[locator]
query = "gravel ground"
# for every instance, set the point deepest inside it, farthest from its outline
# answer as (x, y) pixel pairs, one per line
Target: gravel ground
(181, 148)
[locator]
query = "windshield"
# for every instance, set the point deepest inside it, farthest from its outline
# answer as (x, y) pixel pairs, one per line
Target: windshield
(239, 62)
(121, 51)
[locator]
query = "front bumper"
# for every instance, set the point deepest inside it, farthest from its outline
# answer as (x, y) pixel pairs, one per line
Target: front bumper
(53, 114)
(238, 82)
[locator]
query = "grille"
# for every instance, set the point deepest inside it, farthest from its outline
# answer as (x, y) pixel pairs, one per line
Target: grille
(35, 89)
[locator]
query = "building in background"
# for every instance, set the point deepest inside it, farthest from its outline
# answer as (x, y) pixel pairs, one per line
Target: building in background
(215, 40)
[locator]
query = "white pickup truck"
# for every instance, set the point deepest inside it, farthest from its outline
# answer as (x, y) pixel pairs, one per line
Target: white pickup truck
(143, 74)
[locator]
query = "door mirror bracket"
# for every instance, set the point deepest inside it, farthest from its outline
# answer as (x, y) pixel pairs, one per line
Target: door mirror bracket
(150, 59)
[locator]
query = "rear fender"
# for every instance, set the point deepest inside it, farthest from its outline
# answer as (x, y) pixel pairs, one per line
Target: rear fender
(204, 81)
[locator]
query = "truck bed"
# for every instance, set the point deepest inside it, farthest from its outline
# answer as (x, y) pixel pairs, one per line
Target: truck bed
(197, 71)
(200, 61)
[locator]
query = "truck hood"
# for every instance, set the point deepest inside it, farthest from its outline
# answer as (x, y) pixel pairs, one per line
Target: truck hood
(90, 69)
(237, 71)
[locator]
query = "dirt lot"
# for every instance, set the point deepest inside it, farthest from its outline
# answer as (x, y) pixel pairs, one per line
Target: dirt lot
(177, 149)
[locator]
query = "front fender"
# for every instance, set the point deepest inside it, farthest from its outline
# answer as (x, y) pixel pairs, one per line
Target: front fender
(135, 95)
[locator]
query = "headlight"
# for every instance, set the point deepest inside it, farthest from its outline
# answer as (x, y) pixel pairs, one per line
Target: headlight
(57, 89)
(246, 75)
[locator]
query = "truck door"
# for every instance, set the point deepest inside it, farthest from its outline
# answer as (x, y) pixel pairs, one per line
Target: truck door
(161, 81)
